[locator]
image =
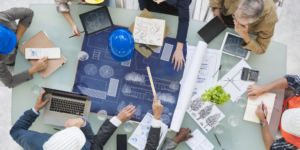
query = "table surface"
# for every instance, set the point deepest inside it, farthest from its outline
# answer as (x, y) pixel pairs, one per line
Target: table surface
(272, 65)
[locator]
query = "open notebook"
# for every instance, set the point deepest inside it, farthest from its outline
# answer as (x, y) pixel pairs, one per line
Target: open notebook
(267, 98)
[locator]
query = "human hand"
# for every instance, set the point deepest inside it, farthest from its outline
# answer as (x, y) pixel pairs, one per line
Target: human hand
(41, 64)
(77, 122)
(182, 135)
(178, 57)
(218, 13)
(83, 2)
(40, 104)
(242, 31)
(126, 113)
(157, 108)
(254, 91)
(75, 31)
(260, 113)
(158, 1)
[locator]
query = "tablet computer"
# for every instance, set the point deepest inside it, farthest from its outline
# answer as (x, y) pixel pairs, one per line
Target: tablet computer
(96, 20)
(212, 29)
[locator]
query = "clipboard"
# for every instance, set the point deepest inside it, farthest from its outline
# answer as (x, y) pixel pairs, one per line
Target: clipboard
(41, 40)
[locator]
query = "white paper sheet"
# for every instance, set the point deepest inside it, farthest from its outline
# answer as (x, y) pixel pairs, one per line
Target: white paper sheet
(139, 137)
(205, 114)
(232, 82)
(209, 67)
(149, 31)
(188, 86)
(199, 142)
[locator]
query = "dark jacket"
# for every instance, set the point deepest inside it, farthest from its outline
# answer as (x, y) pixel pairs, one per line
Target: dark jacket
(184, 16)
(107, 129)
(32, 140)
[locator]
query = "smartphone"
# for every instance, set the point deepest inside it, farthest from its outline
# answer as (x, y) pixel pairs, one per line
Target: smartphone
(121, 141)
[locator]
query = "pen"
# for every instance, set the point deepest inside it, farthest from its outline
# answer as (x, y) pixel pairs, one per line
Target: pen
(75, 34)
(264, 111)
(217, 138)
(217, 70)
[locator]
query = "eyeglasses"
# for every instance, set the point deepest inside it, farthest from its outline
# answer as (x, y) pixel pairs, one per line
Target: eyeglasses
(237, 21)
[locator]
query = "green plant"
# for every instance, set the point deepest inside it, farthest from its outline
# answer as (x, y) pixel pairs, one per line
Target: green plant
(216, 95)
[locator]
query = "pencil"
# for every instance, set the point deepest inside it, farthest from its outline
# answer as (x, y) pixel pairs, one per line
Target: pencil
(151, 81)
(217, 139)
(75, 34)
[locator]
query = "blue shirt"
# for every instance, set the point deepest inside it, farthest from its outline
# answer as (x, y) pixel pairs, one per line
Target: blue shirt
(184, 16)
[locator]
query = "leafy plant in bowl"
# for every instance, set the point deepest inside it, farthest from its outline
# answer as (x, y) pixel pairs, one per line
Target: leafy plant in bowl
(216, 95)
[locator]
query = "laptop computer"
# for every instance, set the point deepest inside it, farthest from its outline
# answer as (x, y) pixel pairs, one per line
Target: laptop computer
(65, 105)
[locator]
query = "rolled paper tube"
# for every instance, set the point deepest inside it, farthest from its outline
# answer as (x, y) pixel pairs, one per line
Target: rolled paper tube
(188, 86)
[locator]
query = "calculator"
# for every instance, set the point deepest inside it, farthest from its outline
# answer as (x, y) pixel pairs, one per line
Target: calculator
(249, 74)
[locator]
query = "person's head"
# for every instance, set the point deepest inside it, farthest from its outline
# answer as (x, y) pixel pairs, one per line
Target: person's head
(248, 11)
(71, 138)
(8, 40)
(290, 122)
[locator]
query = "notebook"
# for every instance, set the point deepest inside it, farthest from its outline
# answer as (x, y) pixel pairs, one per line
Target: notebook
(212, 29)
(268, 99)
(149, 31)
(41, 40)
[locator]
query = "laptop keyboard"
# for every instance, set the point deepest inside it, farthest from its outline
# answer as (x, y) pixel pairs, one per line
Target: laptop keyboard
(65, 106)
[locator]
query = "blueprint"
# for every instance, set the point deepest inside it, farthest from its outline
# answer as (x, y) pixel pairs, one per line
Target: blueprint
(112, 85)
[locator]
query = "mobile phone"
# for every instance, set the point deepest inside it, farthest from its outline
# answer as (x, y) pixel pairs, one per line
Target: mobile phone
(121, 141)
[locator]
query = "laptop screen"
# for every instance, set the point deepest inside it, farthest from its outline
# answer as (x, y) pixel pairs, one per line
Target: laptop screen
(66, 94)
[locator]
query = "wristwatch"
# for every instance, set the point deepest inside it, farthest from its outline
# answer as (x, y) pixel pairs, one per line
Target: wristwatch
(263, 123)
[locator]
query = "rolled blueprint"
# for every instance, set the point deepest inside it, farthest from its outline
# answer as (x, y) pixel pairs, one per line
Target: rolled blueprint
(188, 86)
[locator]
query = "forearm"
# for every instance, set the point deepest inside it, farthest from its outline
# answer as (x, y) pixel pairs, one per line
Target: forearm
(267, 137)
(32, 70)
(20, 31)
(68, 16)
(179, 46)
(278, 84)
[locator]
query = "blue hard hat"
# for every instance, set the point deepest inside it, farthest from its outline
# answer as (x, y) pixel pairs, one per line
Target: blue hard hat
(8, 40)
(121, 44)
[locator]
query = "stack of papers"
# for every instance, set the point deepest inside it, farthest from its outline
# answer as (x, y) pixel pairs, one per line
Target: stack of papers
(199, 142)
(139, 137)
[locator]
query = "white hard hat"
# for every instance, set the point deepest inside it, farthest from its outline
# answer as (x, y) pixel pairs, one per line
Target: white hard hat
(290, 121)
(68, 139)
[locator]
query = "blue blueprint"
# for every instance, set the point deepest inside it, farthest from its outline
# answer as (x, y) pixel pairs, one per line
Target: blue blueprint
(112, 85)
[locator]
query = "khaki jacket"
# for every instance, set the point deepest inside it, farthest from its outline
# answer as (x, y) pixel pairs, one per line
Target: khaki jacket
(263, 27)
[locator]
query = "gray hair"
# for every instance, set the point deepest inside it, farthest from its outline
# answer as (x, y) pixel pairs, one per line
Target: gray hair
(251, 9)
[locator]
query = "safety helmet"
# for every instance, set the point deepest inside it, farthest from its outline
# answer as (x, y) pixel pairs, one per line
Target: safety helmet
(121, 44)
(8, 40)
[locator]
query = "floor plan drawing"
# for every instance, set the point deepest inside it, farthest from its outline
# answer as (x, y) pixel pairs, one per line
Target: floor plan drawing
(93, 20)
(112, 85)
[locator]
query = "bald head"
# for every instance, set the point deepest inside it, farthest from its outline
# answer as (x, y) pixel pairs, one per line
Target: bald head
(250, 10)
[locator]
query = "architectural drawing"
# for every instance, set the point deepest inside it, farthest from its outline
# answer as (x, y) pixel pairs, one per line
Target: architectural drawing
(90, 69)
(94, 20)
(165, 118)
(112, 85)
(205, 114)
(149, 31)
(232, 46)
(106, 71)
(232, 83)
(167, 51)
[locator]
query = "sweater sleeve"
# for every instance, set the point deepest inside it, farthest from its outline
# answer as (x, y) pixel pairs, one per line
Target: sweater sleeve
(261, 43)
(89, 135)
(24, 14)
(153, 139)
(184, 19)
(19, 130)
(12, 81)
